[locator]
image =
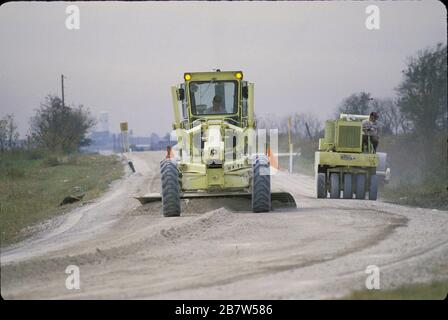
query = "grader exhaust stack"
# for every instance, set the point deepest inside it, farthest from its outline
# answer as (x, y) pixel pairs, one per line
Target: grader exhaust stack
(217, 153)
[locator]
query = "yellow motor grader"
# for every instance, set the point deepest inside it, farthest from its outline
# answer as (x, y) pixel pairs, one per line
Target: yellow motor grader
(217, 152)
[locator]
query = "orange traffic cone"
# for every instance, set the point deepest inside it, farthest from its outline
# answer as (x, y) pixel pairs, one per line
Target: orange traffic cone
(272, 159)
(169, 152)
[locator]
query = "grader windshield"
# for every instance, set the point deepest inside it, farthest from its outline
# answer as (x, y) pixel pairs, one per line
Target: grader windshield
(213, 97)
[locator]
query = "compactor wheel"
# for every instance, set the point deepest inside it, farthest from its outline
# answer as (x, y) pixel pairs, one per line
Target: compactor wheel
(373, 190)
(360, 186)
(348, 191)
(335, 192)
(321, 187)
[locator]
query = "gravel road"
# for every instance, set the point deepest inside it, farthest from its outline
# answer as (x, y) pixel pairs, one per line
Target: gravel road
(217, 250)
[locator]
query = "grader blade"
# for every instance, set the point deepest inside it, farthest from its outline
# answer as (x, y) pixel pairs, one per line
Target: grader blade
(283, 200)
(148, 198)
(279, 199)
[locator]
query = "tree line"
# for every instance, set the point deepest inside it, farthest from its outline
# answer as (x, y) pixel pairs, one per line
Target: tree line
(419, 106)
(55, 128)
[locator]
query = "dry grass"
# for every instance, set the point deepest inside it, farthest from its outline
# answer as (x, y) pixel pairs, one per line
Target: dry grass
(436, 290)
(419, 171)
(33, 188)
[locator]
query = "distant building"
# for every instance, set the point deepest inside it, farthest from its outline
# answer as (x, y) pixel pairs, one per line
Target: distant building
(162, 143)
(101, 139)
(105, 141)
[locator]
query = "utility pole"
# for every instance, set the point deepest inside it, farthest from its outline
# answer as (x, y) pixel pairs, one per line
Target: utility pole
(290, 145)
(62, 86)
(308, 132)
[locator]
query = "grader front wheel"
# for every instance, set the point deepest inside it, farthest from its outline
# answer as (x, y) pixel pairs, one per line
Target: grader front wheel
(170, 188)
(261, 185)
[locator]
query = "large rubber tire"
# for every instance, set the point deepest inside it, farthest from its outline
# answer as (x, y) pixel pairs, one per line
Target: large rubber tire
(360, 186)
(169, 175)
(335, 192)
(382, 161)
(373, 188)
(261, 185)
(348, 190)
(321, 187)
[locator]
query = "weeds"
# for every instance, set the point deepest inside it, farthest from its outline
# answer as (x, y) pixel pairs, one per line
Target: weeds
(32, 189)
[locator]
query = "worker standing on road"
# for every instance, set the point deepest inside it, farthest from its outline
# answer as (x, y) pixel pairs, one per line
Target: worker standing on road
(370, 129)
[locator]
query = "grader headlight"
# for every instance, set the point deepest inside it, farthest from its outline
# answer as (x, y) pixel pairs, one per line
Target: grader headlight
(239, 75)
(187, 76)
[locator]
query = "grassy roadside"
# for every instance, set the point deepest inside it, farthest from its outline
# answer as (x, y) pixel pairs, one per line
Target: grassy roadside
(426, 195)
(419, 171)
(32, 189)
(436, 290)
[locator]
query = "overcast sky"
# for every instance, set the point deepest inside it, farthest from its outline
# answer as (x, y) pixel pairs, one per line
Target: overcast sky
(302, 56)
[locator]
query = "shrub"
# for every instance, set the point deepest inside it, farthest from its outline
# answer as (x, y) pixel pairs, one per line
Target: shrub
(51, 161)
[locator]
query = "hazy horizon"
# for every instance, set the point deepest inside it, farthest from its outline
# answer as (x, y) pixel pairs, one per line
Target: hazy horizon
(302, 56)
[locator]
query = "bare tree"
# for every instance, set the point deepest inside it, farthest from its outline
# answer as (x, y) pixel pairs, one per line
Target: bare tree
(13, 135)
(391, 120)
(270, 121)
(8, 133)
(303, 125)
(3, 134)
(306, 125)
(357, 103)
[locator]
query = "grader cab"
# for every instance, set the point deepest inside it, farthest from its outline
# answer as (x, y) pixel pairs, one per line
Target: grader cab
(217, 154)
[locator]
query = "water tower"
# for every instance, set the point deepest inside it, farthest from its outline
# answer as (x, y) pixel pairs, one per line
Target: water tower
(103, 123)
